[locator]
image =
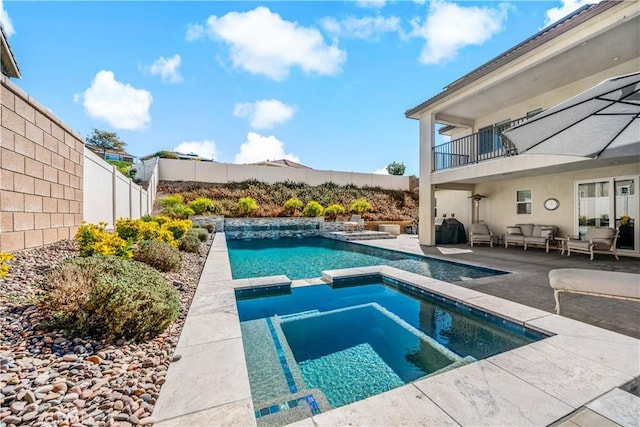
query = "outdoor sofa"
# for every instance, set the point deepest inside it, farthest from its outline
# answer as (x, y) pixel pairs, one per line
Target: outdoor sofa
(530, 235)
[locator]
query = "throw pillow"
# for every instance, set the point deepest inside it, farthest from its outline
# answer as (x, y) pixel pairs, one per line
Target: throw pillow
(546, 231)
(514, 230)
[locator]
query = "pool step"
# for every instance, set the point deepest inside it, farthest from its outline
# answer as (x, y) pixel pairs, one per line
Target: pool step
(295, 315)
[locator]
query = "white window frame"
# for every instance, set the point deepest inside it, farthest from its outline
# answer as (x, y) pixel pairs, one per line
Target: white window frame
(526, 202)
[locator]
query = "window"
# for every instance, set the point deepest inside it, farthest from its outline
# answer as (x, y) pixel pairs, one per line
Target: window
(489, 137)
(110, 156)
(523, 202)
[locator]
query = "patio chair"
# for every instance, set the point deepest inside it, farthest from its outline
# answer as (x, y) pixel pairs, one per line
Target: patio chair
(480, 233)
(356, 223)
(597, 240)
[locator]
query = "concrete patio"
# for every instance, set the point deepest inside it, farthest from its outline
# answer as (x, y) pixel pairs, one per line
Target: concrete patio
(581, 375)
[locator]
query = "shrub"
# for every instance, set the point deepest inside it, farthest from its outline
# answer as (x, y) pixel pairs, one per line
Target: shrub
(202, 205)
(178, 228)
(190, 243)
(178, 211)
(128, 228)
(360, 206)
(153, 231)
(313, 209)
(246, 206)
(110, 297)
(147, 218)
(201, 233)
(332, 211)
(159, 255)
(4, 268)
(94, 239)
(171, 201)
(292, 206)
(211, 228)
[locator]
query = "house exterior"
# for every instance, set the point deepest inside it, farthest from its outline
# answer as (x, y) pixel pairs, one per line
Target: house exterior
(120, 156)
(7, 59)
(282, 163)
(594, 43)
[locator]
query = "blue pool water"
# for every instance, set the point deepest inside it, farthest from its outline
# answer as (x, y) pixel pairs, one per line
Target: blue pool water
(308, 257)
(358, 340)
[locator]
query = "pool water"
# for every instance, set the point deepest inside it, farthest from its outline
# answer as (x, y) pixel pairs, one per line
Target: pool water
(304, 258)
(340, 345)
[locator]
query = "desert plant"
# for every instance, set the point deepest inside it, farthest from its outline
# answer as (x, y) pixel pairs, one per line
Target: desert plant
(172, 200)
(4, 268)
(246, 206)
(94, 239)
(178, 211)
(178, 228)
(200, 232)
(332, 211)
(109, 297)
(128, 228)
(360, 206)
(292, 206)
(190, 243)
(313, 209)
(202, 205)
(159, 255)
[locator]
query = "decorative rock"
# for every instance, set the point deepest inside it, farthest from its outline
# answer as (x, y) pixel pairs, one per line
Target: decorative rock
(176, 357)
(12, 419)
(94, 359)
(17, 407)
(30, 416)
(30, 397)
(70, 397)
(70, 357)
(146, 421)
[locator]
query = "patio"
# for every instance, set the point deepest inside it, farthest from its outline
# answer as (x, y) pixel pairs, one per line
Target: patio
(529, 283)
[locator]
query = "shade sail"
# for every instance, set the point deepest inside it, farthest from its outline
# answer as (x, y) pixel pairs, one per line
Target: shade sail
(602, 122)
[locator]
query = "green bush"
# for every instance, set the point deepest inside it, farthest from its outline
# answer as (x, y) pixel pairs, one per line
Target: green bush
(159, 255)
(201, 233)
(246, 206)
(172, 200)
(292, 206)
(202, 205)
(179, 211)
(109, 297)
(190, 243)
(360, 206)
(332, 211)
(178, 228)
(313, 209)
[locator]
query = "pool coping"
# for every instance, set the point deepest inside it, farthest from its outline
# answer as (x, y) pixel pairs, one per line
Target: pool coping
(536, 384)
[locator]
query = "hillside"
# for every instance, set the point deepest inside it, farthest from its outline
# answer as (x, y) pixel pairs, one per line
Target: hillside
(388, 205)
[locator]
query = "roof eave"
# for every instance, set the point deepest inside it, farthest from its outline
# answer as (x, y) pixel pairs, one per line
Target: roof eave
(9, 63)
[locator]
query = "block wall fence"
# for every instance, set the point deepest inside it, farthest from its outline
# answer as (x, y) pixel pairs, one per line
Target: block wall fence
(49, 181)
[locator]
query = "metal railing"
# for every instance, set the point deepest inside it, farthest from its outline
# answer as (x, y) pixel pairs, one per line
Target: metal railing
(480, 146)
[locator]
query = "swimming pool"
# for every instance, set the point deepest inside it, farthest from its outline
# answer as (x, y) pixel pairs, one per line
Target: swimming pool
(304, 258)
(321, 347)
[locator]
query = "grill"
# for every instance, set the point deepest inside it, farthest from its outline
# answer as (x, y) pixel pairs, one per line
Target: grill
(449, 231)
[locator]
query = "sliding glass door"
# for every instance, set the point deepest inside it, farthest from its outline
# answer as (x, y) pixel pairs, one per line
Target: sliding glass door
(610, 202)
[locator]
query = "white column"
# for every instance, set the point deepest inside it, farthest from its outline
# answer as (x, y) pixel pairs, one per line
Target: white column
(426, 229)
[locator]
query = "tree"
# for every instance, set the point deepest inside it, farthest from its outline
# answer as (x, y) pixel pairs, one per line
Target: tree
(104, 141)
(395, 168)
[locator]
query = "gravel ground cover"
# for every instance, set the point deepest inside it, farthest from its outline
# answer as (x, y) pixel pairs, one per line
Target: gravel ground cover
(49, 379)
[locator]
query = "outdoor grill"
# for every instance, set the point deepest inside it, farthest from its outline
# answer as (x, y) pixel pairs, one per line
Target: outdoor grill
(449, 231)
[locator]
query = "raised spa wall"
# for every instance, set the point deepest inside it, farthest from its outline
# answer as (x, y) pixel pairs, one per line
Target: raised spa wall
(269, 228)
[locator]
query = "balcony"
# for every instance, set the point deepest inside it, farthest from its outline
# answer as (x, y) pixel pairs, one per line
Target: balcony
(475, 148)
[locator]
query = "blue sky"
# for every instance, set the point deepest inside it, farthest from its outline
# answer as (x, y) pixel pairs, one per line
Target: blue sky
(323, 83)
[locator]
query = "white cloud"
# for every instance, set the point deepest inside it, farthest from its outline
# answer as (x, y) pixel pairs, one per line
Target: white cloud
(450, 27)
(119, 104)
(382, 171)
(272, 46)
(258, 148)
(376, 4)
(264, 114)
(556, 13)
(167, 69)
(206, 148)
(367, 28)
(5, 20)
(195, 32)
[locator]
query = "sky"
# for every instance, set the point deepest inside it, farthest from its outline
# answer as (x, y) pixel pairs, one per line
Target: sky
(322, 83)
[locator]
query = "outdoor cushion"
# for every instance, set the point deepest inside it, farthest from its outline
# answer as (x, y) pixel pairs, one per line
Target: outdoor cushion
(536, 240)
(514, 230)
(527, 229)
(480, 229)
(610, 284)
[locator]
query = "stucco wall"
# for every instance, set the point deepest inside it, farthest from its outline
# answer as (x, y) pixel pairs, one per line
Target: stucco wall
(499, 209)
(214, 172)
(41, 167)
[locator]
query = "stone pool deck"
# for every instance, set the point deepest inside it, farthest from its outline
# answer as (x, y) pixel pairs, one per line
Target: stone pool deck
(578, 376)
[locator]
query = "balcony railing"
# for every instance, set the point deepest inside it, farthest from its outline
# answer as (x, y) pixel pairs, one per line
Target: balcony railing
(480, 146)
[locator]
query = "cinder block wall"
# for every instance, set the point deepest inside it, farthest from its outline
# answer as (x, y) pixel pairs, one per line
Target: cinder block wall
(41, 170)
